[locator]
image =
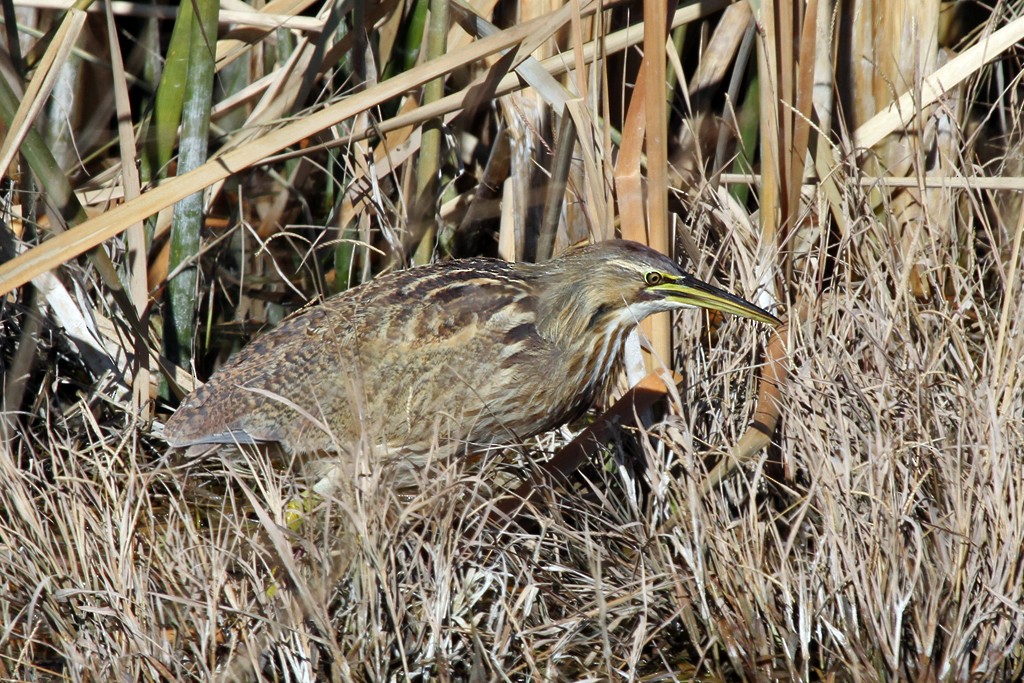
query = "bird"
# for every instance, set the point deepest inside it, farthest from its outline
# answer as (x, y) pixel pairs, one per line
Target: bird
(444, 358)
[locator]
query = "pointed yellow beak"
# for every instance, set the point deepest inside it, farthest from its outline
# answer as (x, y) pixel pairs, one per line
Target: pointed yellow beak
(687, 290)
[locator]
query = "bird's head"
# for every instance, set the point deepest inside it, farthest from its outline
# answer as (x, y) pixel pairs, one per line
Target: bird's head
(610, 286)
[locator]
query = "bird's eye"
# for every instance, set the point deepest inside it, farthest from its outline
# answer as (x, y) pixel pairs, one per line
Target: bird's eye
(653, 278)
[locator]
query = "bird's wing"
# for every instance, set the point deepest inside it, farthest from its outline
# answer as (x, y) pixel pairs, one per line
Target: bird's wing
(441, 355)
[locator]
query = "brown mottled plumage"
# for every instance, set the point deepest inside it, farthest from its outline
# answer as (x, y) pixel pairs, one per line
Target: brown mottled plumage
(473, 351)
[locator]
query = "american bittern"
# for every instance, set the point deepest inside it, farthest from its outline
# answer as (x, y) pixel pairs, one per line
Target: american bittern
(476, 351)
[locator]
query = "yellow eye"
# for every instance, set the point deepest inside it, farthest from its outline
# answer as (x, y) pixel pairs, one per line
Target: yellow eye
(653, 278)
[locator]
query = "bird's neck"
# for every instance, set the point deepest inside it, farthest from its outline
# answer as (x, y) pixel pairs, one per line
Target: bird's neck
(592, 334)
(565, 308)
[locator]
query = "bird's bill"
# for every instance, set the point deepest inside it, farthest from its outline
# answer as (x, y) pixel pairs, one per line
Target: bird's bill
(689, 291)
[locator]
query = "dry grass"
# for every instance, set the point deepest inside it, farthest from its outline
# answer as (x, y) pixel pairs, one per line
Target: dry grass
(879, 536)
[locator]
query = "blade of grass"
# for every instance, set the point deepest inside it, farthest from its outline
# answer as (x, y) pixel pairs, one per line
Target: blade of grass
(170, 94)
(804, 100)
(565, 144)
(784, 15)
(428, 165)
(770, 127)
(655, 37)
(598, 199)
(1004, 315)
(179, 325)
(42, 82)
(628, 183)
(747, 122)
(136, 234)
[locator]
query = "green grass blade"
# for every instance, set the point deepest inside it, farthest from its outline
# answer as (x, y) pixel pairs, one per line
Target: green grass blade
(188, 214)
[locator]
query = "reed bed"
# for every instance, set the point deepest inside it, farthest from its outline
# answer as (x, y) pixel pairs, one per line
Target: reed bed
(175, 177)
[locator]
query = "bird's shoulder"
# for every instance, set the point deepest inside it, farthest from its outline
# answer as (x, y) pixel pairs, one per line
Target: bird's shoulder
(446, 303)
(417, 304)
